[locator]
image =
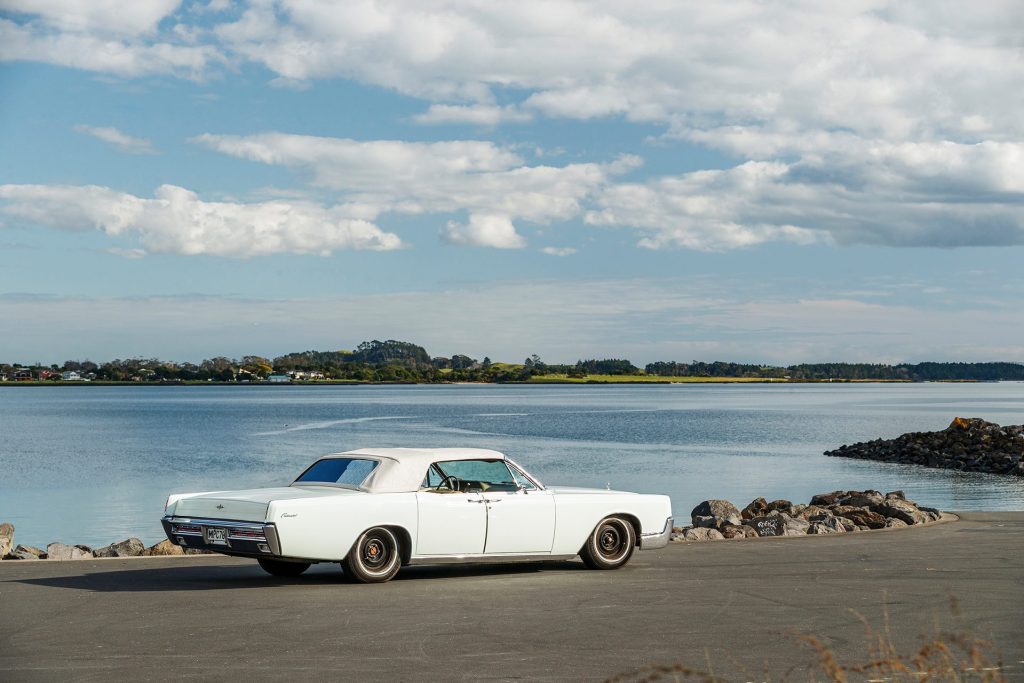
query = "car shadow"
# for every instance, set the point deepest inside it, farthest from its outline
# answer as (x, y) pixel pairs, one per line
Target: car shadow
(235, 576)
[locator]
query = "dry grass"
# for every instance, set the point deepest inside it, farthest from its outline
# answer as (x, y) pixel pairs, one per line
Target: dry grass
(945, 657)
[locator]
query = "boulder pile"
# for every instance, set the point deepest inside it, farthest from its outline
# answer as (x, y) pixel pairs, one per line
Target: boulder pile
(968, 445)
(130, 547)
(838, 512)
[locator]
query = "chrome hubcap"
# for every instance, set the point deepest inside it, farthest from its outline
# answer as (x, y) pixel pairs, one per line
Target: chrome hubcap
(374, 552)
(610, 541)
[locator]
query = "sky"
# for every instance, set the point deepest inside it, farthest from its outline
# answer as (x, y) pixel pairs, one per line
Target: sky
(776, 182)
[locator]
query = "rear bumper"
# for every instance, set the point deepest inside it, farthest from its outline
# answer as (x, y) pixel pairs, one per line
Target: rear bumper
(658, 539)
(251, 539)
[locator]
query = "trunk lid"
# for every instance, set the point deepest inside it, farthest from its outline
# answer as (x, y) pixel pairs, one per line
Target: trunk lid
(245, 506)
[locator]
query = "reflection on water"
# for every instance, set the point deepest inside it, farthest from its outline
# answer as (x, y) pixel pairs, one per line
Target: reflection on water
(94, 464)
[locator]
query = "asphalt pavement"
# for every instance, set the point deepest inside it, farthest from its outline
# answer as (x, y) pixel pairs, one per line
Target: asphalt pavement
(736, 607)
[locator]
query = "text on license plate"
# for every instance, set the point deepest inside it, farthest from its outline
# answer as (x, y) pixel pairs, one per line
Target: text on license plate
(217, 536)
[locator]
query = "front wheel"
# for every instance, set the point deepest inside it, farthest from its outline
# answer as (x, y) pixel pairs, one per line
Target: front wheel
(281, 568)
(375, 557)
(611, 545)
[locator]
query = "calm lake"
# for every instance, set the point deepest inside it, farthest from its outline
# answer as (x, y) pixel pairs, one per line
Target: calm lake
(95, 464)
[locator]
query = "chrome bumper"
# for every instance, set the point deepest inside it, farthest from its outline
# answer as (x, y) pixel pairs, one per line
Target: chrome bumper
(658, 539)
(239, 538)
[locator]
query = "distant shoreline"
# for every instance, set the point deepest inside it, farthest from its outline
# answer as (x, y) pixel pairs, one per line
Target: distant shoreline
(604, 380)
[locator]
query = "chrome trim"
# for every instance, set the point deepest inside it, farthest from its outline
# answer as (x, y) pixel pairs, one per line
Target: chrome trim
(658, 539)
(267, 532)
(487, 559)
(526, 474)
(270, 531)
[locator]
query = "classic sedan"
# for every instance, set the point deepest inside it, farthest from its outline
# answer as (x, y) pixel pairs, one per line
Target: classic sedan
(375, 510)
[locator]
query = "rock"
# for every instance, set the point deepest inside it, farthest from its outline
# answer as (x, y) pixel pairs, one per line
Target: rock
(794, 526)
(865, 518)
(862, 499)
(165, 547)
(893, 522)
(812, 511)
(767, 525)
(780, 505)
(757, 508)
(708, 522)
(198, 551)
(27, 552)
(969, 423)
(131, 547)
(749, 531)
(840, 524)
(968, 444)
(826, 499)
(899, 495)
(902, 510)
(732, 531)
(722, 512)
(822, 528)
(6, 539)
(778, 524)
(702, 534)
(62, 551)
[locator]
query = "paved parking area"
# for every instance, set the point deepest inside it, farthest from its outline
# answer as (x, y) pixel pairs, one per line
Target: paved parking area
(737, 604)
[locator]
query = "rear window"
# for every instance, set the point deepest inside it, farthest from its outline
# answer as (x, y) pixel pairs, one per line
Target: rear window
(345, 471)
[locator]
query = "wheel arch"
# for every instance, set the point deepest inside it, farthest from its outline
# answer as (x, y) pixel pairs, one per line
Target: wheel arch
(404, 541)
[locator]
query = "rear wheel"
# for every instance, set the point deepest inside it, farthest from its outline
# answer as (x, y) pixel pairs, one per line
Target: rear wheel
(282, 568)
(375, 557)
(611, 545)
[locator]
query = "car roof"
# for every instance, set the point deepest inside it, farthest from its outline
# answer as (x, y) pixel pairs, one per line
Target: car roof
(403, 469)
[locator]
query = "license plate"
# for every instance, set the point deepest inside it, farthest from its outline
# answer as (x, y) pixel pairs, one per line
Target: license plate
(217, 536)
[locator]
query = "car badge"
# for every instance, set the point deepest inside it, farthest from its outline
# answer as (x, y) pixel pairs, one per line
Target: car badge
(220, 507)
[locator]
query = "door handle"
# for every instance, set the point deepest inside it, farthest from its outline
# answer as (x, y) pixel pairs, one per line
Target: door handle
(476, 500)
(492, 500)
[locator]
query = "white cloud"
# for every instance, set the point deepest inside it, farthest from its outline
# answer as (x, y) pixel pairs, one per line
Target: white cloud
(132, 254)
(911, 97)
(907, 194)
(479, 177)
(558, 251)
(95, 52)
(484, 231)
(176, 221)
(100, 16)
(476, 114)
(121, 140)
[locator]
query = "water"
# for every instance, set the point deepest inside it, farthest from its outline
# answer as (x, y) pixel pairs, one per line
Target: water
(95, 464)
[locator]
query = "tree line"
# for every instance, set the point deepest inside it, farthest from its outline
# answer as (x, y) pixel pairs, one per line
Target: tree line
(398, 361)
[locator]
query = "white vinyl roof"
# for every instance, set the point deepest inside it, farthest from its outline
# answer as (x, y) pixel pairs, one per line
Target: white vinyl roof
(403, 469)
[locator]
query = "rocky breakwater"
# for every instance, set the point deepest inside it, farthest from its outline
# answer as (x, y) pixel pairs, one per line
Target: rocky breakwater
(968, 445)
(838, 512)
(130, 547)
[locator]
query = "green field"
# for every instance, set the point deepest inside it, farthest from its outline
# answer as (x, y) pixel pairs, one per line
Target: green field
(649, 379)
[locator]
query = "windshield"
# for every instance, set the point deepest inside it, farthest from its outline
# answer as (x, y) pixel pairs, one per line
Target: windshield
(340, 471)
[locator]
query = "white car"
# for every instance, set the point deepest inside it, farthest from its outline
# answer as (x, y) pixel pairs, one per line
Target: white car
(377, 509)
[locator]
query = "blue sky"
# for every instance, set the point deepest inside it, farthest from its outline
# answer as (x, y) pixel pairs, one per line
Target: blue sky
(780, 182)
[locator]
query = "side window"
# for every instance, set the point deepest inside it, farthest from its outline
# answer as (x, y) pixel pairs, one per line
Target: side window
(521, 479)
(478, 475)
(432, 479)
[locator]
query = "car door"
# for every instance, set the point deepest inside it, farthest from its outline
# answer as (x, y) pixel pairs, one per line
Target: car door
(519, 522)
(449, 522)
